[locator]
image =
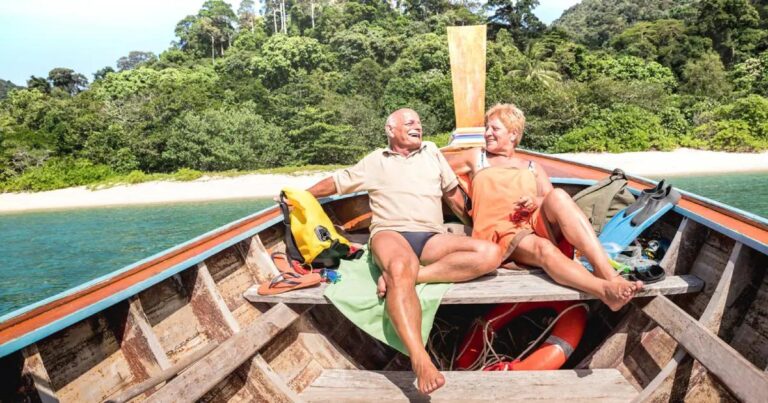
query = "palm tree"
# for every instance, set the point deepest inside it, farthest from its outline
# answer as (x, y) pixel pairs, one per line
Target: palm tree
(532, 67)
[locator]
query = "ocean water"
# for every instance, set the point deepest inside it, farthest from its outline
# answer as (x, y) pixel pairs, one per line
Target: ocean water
(45, 253)
(745, 191)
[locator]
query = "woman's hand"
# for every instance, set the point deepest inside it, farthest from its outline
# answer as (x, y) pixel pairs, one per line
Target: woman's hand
(524, 207)
(527, 203)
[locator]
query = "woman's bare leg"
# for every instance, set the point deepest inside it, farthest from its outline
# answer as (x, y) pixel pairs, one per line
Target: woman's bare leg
(563, 213)
(536, 251)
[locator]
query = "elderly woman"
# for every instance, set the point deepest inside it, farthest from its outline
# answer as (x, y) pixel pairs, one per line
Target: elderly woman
(515, 206)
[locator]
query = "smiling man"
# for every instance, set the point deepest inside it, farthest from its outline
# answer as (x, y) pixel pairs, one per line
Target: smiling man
(406, 182)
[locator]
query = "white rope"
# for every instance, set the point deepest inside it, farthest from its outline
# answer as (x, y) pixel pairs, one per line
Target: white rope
(483, 361)
(551, 325)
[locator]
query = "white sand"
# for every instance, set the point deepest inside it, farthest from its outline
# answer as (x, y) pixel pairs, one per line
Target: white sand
(241, 187)
(683, 161)
(678, 162)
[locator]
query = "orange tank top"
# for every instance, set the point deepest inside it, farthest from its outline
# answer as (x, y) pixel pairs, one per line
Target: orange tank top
(495, 191)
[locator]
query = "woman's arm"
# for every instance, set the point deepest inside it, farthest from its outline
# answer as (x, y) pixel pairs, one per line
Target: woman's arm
(542, 181)
(461, 162)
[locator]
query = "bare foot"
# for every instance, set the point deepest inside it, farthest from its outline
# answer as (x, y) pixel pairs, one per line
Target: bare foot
(381, 287)
(617, 292)
(429, 379)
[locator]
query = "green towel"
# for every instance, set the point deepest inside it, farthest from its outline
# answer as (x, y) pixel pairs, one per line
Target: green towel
(355, 296)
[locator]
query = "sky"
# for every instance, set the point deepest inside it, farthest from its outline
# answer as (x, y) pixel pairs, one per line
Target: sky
(86, 35)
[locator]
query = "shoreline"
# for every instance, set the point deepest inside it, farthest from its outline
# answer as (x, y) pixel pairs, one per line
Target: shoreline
(680, 162)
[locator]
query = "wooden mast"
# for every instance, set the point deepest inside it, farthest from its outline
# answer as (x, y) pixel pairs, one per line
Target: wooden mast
(466, 46)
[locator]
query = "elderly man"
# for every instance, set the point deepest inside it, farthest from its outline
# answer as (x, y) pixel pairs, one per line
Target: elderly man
(405, 183)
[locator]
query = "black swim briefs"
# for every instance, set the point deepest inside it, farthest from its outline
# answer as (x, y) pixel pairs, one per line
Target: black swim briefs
(417, 240)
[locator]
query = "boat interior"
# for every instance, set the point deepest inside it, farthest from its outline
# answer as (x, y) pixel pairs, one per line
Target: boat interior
(204, 334)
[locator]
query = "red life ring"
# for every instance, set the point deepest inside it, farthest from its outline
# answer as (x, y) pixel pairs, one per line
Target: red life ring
(552, 354)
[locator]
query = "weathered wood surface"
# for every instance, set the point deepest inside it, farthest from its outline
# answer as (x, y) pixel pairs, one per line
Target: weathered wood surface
(163, 376)
(139, 327)
(496, 289)
(684, 247)
(601, 385)
(740, 376)
(466, 48)
(35, 370)
(227, 357)
(728, 288)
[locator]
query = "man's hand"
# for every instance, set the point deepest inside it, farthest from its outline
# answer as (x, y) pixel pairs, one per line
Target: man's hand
(325, 187)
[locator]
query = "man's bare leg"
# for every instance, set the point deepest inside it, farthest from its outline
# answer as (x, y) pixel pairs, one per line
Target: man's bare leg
(536, 251)
(449, 258)
(565, 215)
(399, 267)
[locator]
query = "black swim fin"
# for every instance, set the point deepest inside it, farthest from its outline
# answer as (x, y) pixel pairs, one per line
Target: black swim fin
(656, 203)
(644, 197)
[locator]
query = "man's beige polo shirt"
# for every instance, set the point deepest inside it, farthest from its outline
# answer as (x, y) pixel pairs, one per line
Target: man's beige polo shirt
(405, 192)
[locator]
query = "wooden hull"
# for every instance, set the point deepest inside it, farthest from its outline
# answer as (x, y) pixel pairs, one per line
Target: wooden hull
(136, 329)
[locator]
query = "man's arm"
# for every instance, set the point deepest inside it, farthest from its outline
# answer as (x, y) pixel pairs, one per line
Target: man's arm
(454, 198)
(324, 188)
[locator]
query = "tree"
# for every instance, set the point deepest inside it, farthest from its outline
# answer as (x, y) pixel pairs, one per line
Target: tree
(667, 42)
(752, 75)
(706, 76)
(135, 59)
(531, 67)
(67, 80)
(246, 15)
(39, 83)
(726, 22)
(284, 57)
(5, 87)
(517, 16)
(619, 129)
(102, 72)
(422, 9)
(593, 22)
(210, 32)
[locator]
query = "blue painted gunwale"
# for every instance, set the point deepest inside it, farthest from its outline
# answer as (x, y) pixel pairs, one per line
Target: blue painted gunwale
(61, 323)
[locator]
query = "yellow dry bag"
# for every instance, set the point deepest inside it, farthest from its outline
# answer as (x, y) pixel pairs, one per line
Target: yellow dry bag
(310, 237)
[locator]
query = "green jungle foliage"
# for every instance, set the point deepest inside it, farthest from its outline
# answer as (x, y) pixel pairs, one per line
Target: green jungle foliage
(312, 82)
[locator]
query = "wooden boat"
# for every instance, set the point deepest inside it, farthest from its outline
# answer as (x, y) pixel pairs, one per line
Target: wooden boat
(186, 325)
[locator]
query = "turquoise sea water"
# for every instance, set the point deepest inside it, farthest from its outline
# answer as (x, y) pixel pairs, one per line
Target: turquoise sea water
(745, 191)
(45, 253)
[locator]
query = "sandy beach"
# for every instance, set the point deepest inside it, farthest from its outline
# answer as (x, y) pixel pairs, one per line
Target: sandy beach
(678, 162)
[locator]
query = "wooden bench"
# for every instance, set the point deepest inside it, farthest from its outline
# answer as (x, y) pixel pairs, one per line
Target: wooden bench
(595, 385)
(497, 289)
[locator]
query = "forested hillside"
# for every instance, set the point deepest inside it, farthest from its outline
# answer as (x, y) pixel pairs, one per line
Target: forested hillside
(311, 81)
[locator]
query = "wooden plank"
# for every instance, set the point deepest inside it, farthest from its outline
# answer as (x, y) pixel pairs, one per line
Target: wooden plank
(727, 290)
(598, 385)
(227, 357)
(207, 288)
(35, 369)
(139, 319)
(258, 261)
(495, 290)
(466, 48)
(264, 377)
(740, 376)
(163, 376)
(684, 247)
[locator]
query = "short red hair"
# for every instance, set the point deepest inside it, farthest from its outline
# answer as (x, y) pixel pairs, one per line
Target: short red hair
(512, 118)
